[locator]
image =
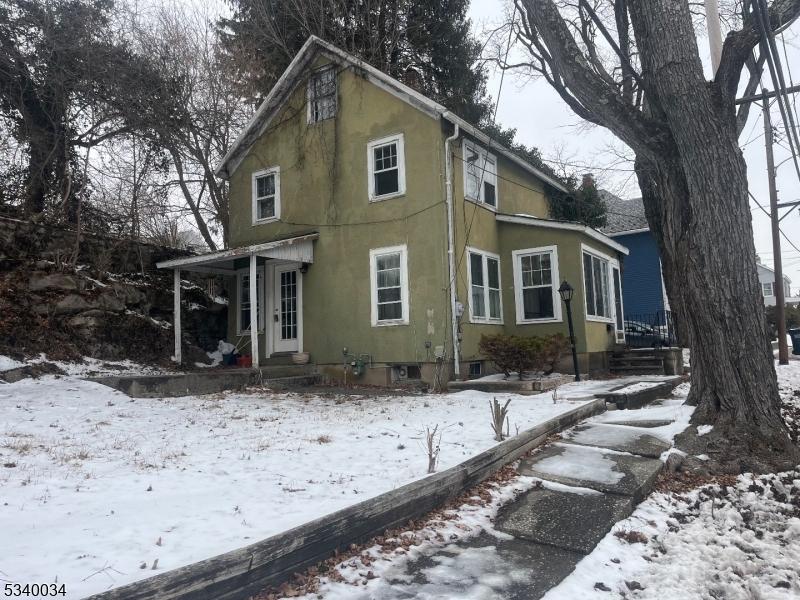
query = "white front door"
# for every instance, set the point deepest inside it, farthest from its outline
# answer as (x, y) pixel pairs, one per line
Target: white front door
(286, 320)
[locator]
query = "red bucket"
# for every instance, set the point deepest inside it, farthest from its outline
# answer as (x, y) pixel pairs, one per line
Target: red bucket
(245, 361)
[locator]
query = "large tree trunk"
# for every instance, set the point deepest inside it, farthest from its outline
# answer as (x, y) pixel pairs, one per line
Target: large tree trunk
(694, 183)
(695, 195)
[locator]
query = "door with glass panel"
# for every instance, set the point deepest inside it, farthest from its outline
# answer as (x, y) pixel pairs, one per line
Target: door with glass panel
(286, 309)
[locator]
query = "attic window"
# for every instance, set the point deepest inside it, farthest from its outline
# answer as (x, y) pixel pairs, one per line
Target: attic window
(322, 95)
(480, 175)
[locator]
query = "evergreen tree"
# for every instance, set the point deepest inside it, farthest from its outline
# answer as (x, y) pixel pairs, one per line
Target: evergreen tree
(426, 45)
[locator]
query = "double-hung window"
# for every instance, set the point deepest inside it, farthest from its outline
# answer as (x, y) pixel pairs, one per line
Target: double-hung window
(596, 286)
(389, 285)
(245, 306)
(536, 284)
(321, 95)
(480, 175)
(266, 195)
(387, 168)
(484, 283)
(766, 289)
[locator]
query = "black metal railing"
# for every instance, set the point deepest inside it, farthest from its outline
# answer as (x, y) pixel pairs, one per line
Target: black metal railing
(650, 330)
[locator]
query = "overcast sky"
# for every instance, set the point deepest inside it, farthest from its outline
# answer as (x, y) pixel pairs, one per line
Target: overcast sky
(543, 120)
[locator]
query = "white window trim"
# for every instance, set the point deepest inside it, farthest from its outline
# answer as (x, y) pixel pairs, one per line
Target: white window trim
(487, 319)
(276, 171)
(373, 284)
(609, 275)
(309, 119)
(516, 257)
(466, 145)
(771, 289)
(399, 138)
(260, 314)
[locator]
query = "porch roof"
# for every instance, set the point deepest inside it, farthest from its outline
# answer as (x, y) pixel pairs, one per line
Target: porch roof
(299, 249)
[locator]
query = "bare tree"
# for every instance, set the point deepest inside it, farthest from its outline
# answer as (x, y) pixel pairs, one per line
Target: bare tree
(633, 66)
(197, 123)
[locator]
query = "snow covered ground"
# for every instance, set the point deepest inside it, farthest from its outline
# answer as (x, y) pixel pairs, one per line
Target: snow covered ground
(740, 542)
(98, 489)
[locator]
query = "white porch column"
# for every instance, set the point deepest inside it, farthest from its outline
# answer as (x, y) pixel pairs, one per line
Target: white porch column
(176, 314)
(254, 308)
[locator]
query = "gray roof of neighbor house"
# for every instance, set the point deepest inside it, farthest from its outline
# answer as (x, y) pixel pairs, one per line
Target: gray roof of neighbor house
(287, 82)
(623, 215)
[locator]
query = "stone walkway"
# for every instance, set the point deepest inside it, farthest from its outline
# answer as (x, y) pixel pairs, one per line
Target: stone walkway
(591, 479)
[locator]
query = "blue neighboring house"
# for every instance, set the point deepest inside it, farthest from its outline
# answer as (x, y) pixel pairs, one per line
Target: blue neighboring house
(643, 290)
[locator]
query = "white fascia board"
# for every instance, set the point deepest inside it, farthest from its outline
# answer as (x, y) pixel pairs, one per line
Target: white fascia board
(212, 257)
(550, 224)
(628, 232)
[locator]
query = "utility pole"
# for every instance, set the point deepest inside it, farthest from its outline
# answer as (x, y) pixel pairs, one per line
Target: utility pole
(780, 300)
(714, 33)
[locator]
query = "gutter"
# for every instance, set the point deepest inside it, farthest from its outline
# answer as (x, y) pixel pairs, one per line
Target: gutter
(451, 259)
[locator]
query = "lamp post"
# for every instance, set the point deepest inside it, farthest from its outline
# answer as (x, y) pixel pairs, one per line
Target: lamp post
(565, 291)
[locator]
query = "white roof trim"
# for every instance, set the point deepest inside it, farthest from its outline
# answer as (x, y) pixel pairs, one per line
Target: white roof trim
(550, 224)
(286, 83)
(274, 249)
(629, 232)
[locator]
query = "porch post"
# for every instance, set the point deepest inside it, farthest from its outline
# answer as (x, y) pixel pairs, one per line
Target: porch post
(176, 313)
(254, 308)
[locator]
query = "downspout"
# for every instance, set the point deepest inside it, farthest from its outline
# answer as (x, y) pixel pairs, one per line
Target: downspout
(451, 259)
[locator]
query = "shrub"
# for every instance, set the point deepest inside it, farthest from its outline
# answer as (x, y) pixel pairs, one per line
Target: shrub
(524, 353)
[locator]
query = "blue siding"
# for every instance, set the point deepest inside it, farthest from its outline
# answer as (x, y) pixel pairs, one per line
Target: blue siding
(642, 290)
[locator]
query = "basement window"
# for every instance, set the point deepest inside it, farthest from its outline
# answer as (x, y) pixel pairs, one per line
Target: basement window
(475, 370)
(387, 168)
(322, 95)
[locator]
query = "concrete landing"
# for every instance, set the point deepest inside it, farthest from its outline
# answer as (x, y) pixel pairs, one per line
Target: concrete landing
(565, 519)
(595, 468)
(636, 440)
(210, 382)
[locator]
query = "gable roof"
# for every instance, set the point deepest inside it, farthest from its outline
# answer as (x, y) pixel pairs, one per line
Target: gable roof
(315, 46)
(772, 271)
(623, 216)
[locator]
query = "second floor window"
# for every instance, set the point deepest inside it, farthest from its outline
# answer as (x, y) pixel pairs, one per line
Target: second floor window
(766, 289)
(480, 175)
(266, 195)
(322, 95)
(387, 169)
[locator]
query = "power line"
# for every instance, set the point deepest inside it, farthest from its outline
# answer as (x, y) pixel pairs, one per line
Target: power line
(766, 212)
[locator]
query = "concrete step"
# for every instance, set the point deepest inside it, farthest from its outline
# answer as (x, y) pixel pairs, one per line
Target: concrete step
(571, 519)
(635, 360)
(594, 468)
(622, 438)
(638, 369)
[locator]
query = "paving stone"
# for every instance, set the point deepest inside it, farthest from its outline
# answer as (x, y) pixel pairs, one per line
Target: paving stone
(616, 437)
(595, 468)
(646, 423)
(568, 520)
(514, 569)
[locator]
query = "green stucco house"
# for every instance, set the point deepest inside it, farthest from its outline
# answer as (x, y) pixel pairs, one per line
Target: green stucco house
(372, 226)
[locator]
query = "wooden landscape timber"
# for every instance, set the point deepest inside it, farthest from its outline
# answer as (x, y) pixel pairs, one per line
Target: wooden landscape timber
(238, 574)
